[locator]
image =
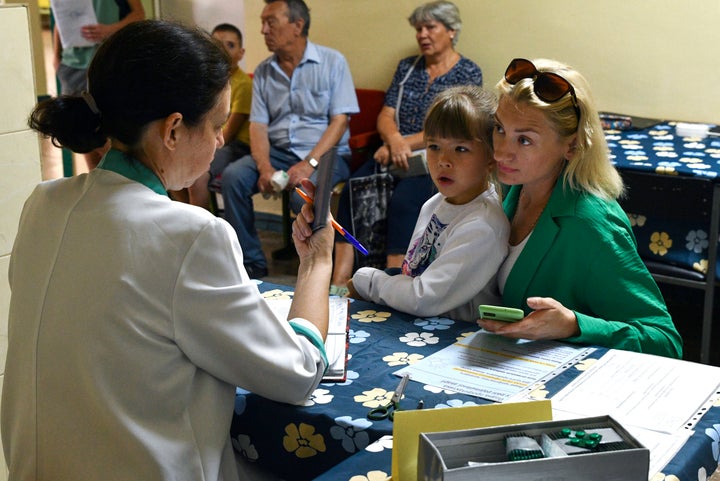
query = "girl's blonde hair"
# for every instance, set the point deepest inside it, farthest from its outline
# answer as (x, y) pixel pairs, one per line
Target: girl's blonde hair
(589, 168)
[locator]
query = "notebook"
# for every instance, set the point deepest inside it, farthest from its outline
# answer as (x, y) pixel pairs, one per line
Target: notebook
(336, 343)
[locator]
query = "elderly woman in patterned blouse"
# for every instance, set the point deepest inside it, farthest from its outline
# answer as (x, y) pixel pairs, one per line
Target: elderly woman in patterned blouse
(417, 80)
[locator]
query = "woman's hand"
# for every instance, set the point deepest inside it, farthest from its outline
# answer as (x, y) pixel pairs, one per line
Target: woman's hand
(382, 155)
(311, 246)
(400, 151)
(549, 320)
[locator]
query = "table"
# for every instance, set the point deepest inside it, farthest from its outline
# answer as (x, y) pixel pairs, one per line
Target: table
(330, 438)
(673, 206)
(657, 150)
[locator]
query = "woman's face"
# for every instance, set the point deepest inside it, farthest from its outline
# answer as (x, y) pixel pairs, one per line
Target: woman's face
(197, 144)
(527, 148)
(433, 37)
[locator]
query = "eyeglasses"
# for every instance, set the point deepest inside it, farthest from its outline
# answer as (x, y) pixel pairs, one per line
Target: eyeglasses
(548, 86)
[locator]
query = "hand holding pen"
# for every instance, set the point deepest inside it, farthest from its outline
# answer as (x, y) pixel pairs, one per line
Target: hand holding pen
(336, 226)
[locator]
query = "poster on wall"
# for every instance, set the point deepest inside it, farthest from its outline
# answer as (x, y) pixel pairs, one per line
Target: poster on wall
(203, 13)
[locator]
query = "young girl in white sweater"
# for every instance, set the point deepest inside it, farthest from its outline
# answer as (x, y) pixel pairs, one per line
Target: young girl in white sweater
(460, 238)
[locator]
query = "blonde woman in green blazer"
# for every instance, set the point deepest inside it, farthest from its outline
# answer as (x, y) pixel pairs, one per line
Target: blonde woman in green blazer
(573, 265)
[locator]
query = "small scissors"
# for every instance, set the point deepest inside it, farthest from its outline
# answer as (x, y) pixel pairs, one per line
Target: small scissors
(388, 411)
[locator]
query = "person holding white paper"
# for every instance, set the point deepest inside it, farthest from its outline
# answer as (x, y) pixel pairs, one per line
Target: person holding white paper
(75, 42)
(573, 265)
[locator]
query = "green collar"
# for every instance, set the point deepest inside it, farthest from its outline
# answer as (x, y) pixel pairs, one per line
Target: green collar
(128, 166)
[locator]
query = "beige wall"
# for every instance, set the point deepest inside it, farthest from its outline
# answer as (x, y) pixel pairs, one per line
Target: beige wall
(19, 149)
(35, 26)
(640, 56)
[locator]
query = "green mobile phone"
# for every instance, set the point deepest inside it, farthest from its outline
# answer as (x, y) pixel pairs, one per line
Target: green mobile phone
(500, 313)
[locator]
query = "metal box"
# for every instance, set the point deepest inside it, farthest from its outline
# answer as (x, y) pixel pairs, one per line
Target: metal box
(444, 456)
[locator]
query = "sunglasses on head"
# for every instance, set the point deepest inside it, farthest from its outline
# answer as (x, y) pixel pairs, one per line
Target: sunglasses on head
(548, 86)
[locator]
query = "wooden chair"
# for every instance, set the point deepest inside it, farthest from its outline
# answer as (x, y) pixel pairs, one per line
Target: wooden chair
(666, 203)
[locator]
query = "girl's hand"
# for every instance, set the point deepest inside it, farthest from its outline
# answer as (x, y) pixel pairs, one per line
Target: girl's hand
(311, 246)
(549, 320)
(352, 293)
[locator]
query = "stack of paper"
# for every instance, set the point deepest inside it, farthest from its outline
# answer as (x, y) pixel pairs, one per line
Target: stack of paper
(336, 344)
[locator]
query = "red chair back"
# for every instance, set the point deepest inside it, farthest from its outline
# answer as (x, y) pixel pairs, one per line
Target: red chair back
(364, 138)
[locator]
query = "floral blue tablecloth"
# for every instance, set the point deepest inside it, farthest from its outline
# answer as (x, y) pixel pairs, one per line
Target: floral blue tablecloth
(658, 150)
(300, 443)
(331, 439)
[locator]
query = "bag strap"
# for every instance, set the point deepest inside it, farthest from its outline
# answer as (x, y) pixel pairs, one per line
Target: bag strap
(401, 88)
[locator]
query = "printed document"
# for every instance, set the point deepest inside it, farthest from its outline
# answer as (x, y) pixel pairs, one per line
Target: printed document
(70, 16)
(650, 392)
(494, 367)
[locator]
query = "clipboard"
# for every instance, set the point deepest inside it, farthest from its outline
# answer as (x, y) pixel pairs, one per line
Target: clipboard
(337, 340)
(323, 188)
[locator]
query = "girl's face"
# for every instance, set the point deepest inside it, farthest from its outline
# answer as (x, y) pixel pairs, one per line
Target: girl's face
(527, 148)
(459, 168)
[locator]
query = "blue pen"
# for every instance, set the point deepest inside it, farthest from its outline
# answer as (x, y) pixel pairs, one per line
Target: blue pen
(337, 226)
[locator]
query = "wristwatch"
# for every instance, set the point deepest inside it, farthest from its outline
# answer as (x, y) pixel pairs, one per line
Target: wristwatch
(313, 162)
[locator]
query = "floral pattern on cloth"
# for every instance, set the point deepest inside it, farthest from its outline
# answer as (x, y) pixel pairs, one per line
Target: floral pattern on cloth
(330, 438)
(658, 150)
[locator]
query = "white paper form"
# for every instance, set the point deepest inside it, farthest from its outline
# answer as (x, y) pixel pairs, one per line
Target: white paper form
(70, 16)
(336, 347)
(493, 367)
(650, 392)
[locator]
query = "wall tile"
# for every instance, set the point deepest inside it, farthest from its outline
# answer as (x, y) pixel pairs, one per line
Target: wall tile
(19, 173)
(16, 101)
(3, 466)
(19, 150)
(4, 307)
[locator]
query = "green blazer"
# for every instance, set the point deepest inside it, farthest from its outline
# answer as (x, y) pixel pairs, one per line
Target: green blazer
(583, 253)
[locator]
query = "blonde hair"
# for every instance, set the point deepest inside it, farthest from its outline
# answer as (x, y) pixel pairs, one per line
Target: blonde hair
(589, 167)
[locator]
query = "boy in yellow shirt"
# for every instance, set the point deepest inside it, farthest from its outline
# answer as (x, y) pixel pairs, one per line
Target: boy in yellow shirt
(236, 130)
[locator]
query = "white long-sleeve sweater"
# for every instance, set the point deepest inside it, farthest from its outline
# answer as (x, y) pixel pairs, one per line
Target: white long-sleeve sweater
(451, 265)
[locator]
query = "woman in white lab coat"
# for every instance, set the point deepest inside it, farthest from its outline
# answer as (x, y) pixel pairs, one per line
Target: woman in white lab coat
(132, 318)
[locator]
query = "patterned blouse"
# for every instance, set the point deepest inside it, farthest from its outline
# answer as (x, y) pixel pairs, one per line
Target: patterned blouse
(418, 92)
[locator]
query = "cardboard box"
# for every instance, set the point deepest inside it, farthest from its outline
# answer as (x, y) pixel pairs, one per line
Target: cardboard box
(444, 456)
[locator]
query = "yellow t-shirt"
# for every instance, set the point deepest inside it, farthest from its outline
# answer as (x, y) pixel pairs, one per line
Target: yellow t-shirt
(241, 100)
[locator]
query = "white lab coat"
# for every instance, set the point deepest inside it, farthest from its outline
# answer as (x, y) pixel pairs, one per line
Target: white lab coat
(131, 322)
